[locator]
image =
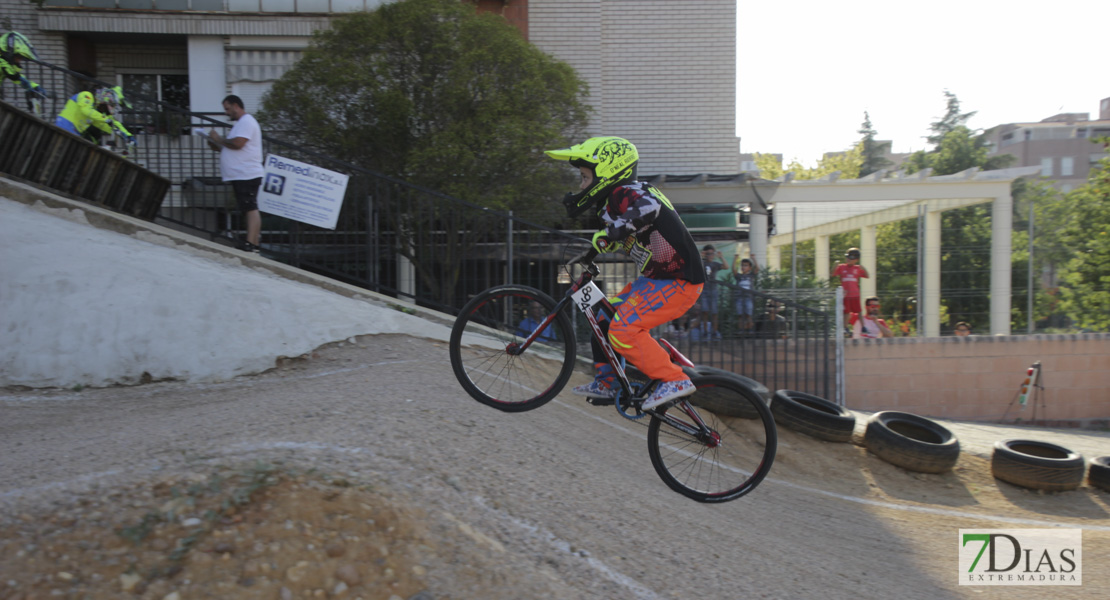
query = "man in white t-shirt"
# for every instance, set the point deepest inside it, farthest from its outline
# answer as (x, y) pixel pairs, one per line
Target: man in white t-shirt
(869, 324)
(241, 165)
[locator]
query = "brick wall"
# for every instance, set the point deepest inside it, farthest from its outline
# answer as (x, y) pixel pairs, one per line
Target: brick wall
(975, 378)
(662, 74)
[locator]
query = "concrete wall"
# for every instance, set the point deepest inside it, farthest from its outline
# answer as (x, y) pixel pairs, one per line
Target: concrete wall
(975, 378)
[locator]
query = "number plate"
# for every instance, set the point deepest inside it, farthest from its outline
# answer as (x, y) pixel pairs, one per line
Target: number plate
(587, 296)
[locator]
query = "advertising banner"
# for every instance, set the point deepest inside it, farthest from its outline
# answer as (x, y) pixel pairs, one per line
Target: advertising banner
(301, 191)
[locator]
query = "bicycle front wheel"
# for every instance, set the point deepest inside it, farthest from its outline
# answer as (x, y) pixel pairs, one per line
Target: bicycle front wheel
(711, 457)
(486, 355)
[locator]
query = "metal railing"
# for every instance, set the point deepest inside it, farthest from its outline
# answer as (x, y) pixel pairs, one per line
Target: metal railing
(421, 246)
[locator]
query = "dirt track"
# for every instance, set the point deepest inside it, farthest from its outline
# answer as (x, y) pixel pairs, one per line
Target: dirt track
(561, 502)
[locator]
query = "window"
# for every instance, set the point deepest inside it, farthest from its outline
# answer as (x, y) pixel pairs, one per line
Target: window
(149, 117)
(1067, 166)
(1046, 167)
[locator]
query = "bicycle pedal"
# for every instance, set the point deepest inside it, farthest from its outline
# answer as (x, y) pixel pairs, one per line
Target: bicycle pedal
(601, 401)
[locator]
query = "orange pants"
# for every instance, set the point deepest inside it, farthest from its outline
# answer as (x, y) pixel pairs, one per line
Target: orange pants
(643, 304)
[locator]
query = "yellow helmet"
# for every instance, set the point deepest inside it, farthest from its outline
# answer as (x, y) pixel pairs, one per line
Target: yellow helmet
(17, 44)
(613, 161)
(119, 96)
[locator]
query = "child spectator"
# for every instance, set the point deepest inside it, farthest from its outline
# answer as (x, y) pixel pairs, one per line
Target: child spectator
(745, 301)
(850, 272)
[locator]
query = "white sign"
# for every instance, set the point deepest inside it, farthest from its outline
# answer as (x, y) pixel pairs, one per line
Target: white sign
(301, 191)
(587, 296)
(1021, 557)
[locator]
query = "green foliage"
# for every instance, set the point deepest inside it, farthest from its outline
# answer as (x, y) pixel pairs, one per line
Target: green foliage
(953, 119)
(871, 151)
(847, 163)
(769, 167)
(432, 92)
(1085, 295)
(955, 146)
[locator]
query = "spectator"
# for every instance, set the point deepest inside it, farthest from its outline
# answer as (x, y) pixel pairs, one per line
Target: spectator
(745, 302)
(963, 329)
(14, 48)
(532, 319)
(711, 258)
(772, 325)
(850, 272)
(870, 325)
(87, 114)
(241, 165)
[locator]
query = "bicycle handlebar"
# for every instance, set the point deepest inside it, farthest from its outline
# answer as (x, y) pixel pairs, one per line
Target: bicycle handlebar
(585, 258)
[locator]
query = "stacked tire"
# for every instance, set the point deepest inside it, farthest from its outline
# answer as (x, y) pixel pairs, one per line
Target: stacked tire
(1099, 473)
(813, 416)
(911, 442)
(1037, 465)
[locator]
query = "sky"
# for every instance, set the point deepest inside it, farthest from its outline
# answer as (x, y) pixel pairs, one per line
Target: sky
(90, 307)
(807, 70)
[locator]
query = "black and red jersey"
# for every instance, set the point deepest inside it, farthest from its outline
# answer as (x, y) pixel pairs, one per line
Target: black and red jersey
(639, 217)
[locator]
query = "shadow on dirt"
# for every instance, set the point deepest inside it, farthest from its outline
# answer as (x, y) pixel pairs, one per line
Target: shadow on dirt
(1082, 503)
(944, 489)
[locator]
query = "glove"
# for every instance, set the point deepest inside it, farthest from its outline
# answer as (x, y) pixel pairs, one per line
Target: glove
(601, 242)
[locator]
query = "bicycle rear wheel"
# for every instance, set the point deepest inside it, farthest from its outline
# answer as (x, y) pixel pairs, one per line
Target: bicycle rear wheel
(484, 350)
(723, 463)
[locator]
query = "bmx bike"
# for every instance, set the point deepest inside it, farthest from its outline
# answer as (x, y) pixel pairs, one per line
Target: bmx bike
(712, 446)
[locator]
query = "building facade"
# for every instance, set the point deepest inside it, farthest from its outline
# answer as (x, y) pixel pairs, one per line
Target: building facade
(660, 74)
(1060, 145)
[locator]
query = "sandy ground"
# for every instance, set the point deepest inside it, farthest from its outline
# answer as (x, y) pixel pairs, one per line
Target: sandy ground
(365, 472)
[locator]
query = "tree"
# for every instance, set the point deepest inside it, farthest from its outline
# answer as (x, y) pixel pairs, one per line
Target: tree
(1086, 276)
(847, 163)
(872, 152)
(951, 120)
(1051, 215)
(433, 92)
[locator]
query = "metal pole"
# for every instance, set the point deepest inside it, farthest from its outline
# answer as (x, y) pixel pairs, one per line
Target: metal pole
(1030, 299)
(794, 270)
(794, 256)
(920, 270)
(509, 253)
(840, 395)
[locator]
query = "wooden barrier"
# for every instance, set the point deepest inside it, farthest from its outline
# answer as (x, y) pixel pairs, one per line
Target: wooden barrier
(42, 154)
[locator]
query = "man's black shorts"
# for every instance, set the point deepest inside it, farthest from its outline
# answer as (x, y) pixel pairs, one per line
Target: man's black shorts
(246, 193)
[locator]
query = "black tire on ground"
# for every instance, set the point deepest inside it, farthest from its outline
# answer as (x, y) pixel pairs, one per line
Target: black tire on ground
(1098, 475)
(813, 416)
(1037, 465)
(911, 442)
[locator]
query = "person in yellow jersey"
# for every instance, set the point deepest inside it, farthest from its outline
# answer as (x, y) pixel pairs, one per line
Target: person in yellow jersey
(14, 48)
(87, 110)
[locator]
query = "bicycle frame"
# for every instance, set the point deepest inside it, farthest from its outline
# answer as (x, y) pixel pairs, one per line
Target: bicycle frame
(589, 272)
